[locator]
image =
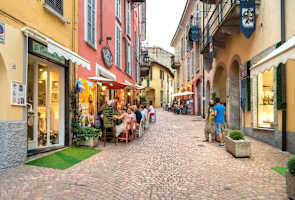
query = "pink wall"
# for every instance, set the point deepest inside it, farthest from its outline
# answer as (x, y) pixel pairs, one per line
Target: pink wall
(94, 56)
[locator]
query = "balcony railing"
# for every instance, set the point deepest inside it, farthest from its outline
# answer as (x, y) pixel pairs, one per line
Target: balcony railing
(225, 17)
(175, 64)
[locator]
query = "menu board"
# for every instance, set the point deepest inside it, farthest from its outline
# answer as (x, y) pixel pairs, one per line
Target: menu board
(18, 94)
(108, 116)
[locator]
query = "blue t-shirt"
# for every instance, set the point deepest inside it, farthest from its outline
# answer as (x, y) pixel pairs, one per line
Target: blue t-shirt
(220, 109)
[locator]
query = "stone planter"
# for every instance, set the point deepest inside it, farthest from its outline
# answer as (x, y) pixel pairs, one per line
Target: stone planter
(90, 142)
(290, 180)
(238, 148)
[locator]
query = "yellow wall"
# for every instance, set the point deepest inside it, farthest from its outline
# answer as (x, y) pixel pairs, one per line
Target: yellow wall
(155, 83)
(17, 14)
(290, 71)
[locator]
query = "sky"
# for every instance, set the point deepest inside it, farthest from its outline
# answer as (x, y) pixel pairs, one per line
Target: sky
(163, 17)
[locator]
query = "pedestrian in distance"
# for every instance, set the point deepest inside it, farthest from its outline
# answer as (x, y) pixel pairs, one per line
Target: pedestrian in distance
(210, 129)
(219, 113)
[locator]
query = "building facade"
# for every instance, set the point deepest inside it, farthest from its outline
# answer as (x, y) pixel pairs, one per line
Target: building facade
(187, 63)
(110, 35)
(36, 63)
(159, 83)
(254, 95)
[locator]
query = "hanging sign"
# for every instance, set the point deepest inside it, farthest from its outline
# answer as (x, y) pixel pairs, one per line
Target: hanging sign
(2, 32)
(107, 56)
(195, 33)
(247, 17)
(211, 49)
(18, 94)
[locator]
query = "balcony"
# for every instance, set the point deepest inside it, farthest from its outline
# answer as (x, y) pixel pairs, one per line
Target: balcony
(145, 63)
(175, 64)
(223, 23)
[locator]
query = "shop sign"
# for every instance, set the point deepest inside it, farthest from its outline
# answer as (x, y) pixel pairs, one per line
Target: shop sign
(2, 32)
(42, 50)
(247, 17)
(18, 94)
(107, 56)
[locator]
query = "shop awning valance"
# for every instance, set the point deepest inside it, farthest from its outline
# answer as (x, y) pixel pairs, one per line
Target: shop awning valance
(54, 47)
(100, 79)
(100, 70)
(279, 55)
(183, 94)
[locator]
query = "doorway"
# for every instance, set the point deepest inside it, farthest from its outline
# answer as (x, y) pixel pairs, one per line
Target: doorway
(45, 97)
(198, 93)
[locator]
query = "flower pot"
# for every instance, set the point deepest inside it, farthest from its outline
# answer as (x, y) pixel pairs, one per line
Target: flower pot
(90, 142)
(238, 148)
(290, 181)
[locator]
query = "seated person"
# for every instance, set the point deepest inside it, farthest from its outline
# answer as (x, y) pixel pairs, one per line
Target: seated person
(151, 110)
(138, 114)
(123, 126)
(143, 111)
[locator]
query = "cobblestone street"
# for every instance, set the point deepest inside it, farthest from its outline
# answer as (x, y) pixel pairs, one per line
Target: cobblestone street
(169, 162)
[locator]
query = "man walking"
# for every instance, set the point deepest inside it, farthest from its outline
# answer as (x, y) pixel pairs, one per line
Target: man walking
(219, 112)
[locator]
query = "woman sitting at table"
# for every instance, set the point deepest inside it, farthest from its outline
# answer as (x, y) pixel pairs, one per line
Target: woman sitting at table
(124, 125)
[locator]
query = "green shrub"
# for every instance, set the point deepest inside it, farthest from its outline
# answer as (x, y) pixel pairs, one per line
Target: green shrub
(236, 135)
(291, 166)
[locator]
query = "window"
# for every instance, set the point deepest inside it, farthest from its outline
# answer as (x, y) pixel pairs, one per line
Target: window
(198, 60)
(178, 54)
(188, 68)
(182, 48)
(265, 94)
(161, 96)
(182, 74)
(193, 65)
(128, 18)
(128, 57)
(118, 9)
(90, 22)
(57, 5)
(118, 46)
(162, 75)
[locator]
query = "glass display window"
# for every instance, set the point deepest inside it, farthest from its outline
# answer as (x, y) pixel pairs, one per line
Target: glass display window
(266, 99)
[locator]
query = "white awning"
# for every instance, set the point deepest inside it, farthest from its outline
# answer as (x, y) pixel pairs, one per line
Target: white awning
(54, 47)
(100, 70)
(183, 94)
(279, 55)
(127, 83)
(100, 79)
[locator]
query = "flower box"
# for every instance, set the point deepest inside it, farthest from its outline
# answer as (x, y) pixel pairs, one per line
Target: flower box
(90, 142)
(238, 148)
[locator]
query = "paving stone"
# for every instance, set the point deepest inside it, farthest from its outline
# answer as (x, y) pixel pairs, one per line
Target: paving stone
(168, 162)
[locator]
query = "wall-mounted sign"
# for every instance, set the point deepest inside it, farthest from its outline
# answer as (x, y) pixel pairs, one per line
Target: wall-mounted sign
(18, 94)
(42, 50)
(248, 17)
(2, 32)
(107, 56)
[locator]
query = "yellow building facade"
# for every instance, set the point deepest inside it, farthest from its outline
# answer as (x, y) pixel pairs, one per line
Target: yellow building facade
(159, 85)
(245, 73)
(38, 41)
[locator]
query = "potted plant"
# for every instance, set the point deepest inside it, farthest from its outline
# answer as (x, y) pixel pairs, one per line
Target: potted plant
(290, 178)
(237, 145)
(86, 136)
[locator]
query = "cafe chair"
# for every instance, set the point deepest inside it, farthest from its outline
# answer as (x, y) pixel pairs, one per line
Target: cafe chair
(125, 134)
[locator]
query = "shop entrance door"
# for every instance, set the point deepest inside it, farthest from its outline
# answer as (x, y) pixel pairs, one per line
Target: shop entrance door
(45, 99)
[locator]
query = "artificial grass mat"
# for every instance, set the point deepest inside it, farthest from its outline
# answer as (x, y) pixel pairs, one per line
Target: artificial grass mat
(65, 158)
(281, 170)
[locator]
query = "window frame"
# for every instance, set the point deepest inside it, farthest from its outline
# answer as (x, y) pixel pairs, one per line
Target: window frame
(128, 20)
(93, 43)
(118, 9)
(118, 27)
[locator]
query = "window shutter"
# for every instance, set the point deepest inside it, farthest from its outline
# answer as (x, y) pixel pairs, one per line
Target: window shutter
(93, 23)
(57, 5)
(126, 56)
(130, 62)
(89, 20)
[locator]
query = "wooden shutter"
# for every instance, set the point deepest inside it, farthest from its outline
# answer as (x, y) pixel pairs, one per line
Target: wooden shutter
(126, 56)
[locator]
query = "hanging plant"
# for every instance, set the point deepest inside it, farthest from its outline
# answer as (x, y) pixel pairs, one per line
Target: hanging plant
(279, 86)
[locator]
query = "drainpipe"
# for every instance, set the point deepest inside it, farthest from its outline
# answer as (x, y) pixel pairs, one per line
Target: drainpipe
(283, 81)
(203, 100)
(101, 22)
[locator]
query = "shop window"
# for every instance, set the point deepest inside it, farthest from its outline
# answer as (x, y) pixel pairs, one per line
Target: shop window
(57, 5)
(265, 96)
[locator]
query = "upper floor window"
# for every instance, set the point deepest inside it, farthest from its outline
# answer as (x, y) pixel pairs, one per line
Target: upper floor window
(128, 57)
(118, 46)
(182, 48)
(118, 9)
(57, 5)
(90, 22)
(188, 69)
(128, 18)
